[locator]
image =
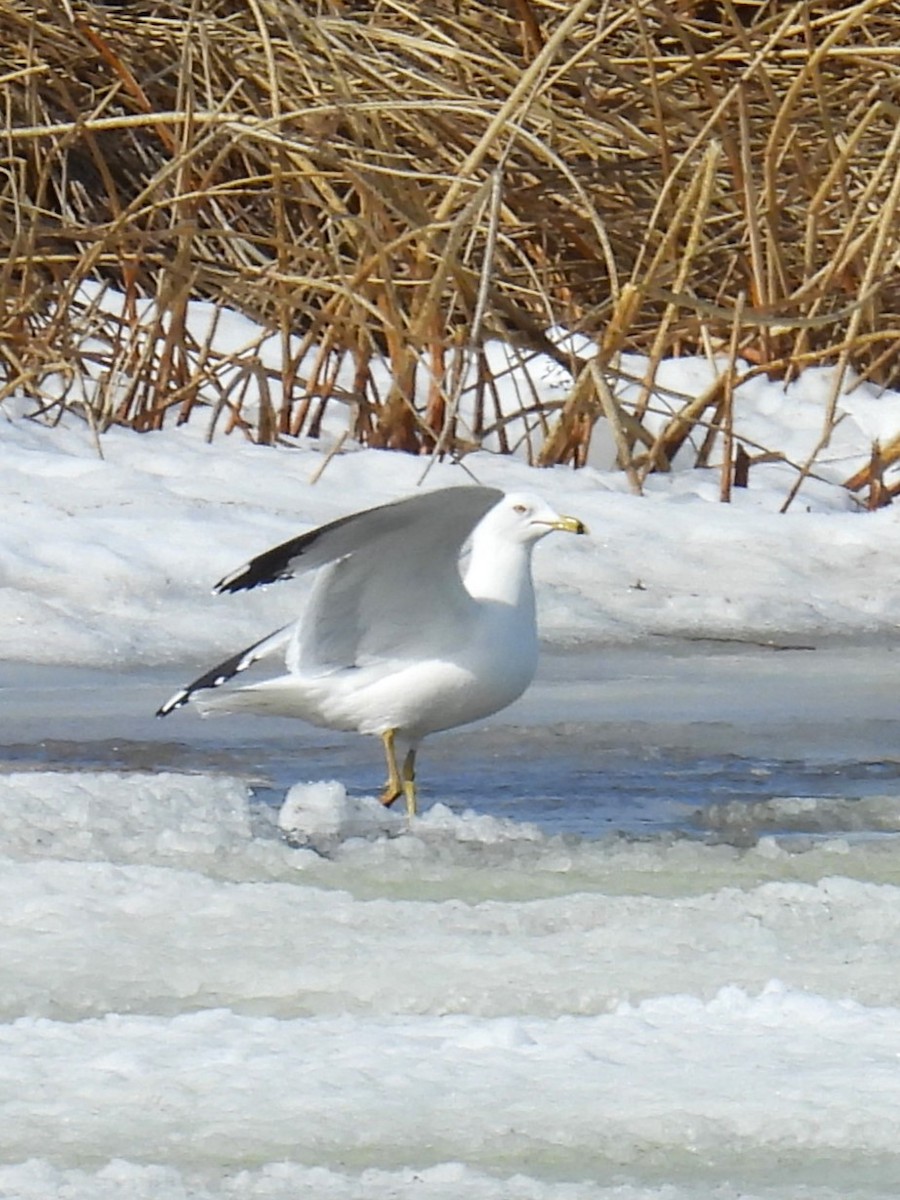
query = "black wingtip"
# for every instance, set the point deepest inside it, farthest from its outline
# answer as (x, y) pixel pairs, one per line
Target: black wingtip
(177, 701)
(230, 583)
(222, 672)
(253, 574)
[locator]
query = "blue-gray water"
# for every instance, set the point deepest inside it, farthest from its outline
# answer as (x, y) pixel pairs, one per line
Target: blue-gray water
(637, 739)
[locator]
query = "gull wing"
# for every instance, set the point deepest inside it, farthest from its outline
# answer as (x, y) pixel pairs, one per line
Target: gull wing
(396, 593)
(226, 670)
(452, 512)
(389, 572)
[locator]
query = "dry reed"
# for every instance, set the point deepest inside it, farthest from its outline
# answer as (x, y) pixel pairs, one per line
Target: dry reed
(383, 182)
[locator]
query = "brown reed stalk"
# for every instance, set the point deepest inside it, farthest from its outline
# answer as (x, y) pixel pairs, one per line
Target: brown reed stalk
(399, 183)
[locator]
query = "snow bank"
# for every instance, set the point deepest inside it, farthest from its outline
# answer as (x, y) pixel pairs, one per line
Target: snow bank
(109, 561)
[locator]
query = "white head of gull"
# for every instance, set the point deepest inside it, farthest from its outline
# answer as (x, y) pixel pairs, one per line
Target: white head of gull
(403, 635)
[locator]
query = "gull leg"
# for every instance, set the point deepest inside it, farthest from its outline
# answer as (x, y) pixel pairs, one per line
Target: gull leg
(395, 786)
(409, 783)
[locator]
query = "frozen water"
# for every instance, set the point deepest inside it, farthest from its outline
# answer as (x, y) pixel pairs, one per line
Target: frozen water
(193, 1007)
(641, 946)
(212, 985)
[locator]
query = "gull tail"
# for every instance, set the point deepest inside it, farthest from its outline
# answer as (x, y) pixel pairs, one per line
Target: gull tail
(284, 696)
(226, 670)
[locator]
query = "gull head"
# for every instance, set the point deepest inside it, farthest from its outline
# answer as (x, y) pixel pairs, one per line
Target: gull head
(524, 518)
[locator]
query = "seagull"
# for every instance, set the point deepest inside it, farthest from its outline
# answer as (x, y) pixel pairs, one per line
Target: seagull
(421, 619)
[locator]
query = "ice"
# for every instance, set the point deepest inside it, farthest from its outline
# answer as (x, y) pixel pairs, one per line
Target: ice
(323, 815)
(193, 1007)
(38, 1180)
(674, 1079)
(213, 987)
(177, 912)
(165, 819)
(813, 814)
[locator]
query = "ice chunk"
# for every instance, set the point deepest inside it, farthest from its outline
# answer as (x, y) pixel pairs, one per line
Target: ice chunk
(322, 814)
(202, 822)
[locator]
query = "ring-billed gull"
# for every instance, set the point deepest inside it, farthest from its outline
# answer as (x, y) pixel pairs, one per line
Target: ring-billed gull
(399, 638)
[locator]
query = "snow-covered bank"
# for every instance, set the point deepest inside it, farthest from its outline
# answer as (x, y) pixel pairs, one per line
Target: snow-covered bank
(110, 561)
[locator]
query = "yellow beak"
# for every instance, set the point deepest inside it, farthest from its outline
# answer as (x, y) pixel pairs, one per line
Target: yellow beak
(570, 525)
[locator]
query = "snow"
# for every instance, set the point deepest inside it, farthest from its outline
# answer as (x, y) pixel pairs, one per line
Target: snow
(180, 992)
(272, 1088)
(191, 914)
(217, 985)
(103, 561)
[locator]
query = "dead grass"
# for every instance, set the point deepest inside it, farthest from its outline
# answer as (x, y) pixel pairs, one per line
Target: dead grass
(391, 181)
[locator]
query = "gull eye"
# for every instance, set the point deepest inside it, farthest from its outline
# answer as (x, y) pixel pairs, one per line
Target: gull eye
(520, 508)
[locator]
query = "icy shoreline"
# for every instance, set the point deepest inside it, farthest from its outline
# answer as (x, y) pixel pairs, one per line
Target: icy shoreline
(192, 1010)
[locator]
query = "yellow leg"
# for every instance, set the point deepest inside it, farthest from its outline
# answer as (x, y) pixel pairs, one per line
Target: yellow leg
(409, 783)
(395, 786)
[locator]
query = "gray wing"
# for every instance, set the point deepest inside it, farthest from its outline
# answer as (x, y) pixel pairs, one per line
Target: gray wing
(395, 591)
(457, 510)
(388, 572)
